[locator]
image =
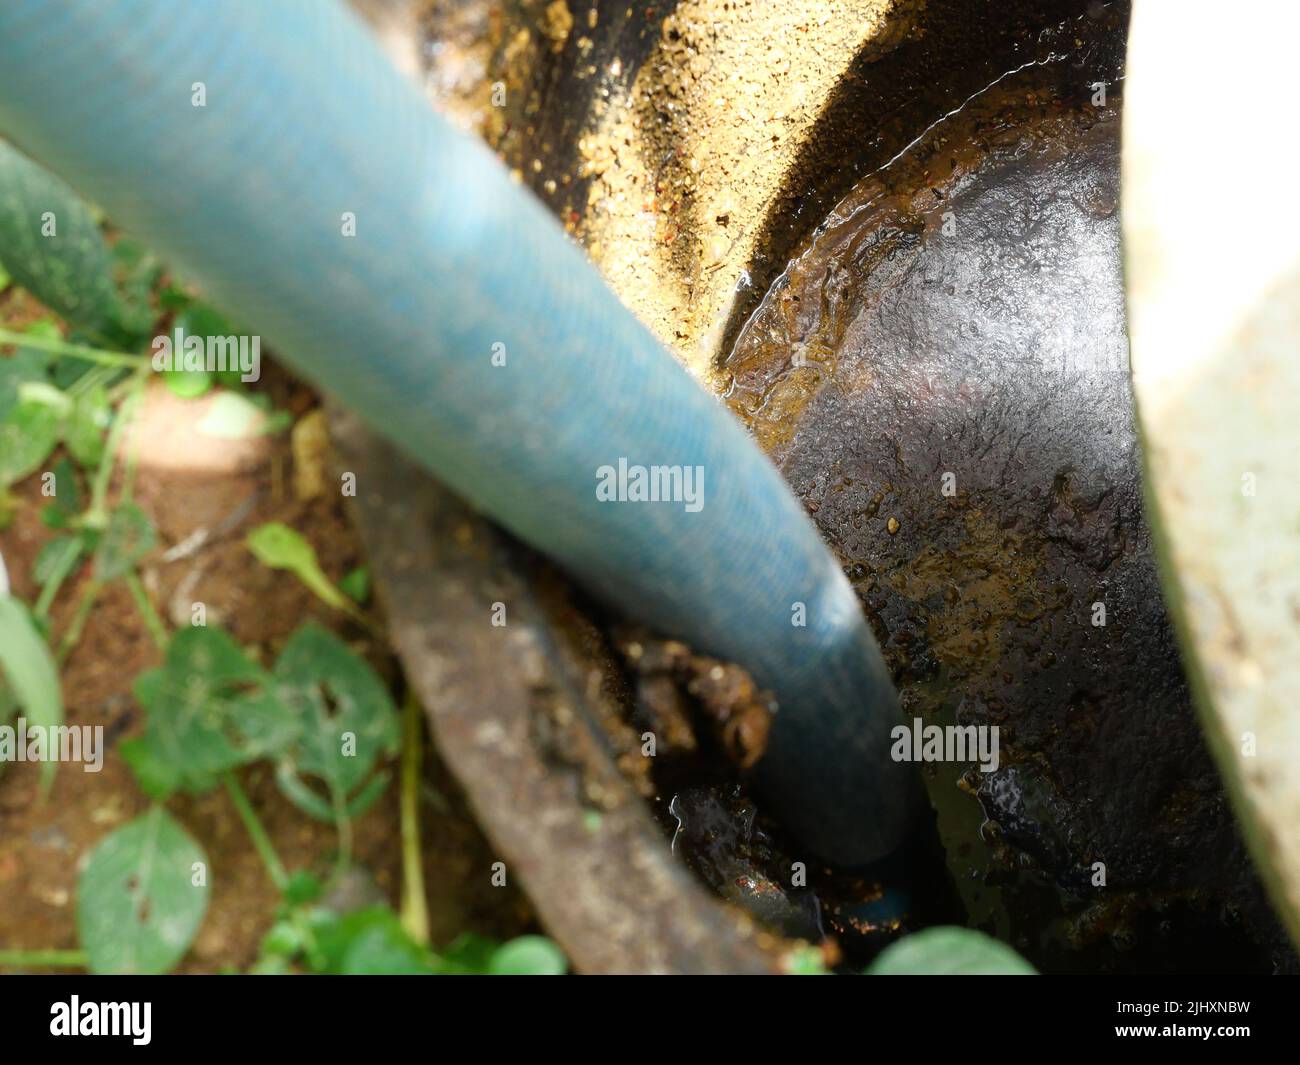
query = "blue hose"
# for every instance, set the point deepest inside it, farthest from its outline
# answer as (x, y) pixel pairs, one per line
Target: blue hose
(306, 122)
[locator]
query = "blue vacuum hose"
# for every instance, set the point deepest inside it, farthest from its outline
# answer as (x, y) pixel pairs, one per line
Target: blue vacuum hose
(388, 258)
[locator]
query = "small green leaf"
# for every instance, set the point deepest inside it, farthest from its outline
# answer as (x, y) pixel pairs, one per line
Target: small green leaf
(467, 954)
(210, 708)
(135, 270)
(138, 906)
(233, 416)
(346, 721)
(269, 965)
(63, 510)
(297, 791)
(84, 432)
(280, 547)
(157, 777)
(200, 319)
(302, 888)
(28, 434)
(949, 952)
(188, 384)
(24, 365)
(56, 559)
(174, 296)
(356, 585)
(528, 956)
(371, 942)
(127, 538)
(54, 516)
(27, 665)
(282, 940)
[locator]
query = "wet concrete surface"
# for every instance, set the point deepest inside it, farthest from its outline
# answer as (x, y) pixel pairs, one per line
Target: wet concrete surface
(941, 374)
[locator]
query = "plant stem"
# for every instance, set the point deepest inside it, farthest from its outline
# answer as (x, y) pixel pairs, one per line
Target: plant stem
(48, 959)
(415, 912)
(104, 474)
(261, 841)
(343, 824)
(76, 351)
(152, 621)
(135, 396)
(99, 492)
(99, 375)
(65, 564)
(298, 918)
(70, 638)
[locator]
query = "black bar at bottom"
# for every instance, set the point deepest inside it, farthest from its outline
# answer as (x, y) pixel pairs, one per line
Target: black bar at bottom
(338, 1014)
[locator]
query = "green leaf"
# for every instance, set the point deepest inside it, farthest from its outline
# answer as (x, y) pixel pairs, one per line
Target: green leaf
(371, 941)
(8, 711)
(280, 547)
(138, 908)
(282, 940)
(467, 954)
(949, 952)
(24, 365)
(233, 416)
(56, 559)
(297, 791)
(528, 956)
(302, 888)
(67, 493)
(210, 708)
(53, 246)
(29, 668)
(188, 384)
(270, 965)
(84, 432)
(136, 270)
(157, 777)
(28, 434)
(174, 296)
(346, 721)
(203, 320)
(356, 585)
(127, 538)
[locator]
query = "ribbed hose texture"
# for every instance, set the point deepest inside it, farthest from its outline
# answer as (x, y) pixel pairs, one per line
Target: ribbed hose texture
(305, 120)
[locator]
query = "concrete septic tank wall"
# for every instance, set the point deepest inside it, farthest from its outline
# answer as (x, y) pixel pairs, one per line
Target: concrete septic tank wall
(887, 235)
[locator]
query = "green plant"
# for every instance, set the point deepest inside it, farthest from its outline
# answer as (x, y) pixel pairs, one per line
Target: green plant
(142, 896)
(54, 248)
(319, 715)
(949, 951)
(278, 546)
(322, 716)
(115, 537)
(27, 666)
